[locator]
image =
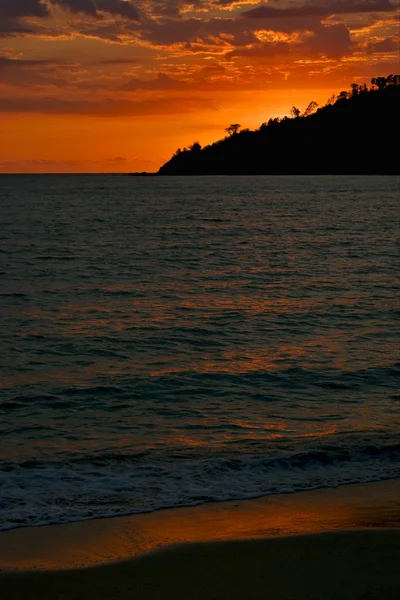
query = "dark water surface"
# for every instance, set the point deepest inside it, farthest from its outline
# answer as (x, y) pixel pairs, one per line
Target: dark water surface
(168, 341)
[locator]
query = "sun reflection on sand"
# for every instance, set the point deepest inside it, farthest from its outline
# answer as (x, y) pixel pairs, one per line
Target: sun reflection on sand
(95, 542)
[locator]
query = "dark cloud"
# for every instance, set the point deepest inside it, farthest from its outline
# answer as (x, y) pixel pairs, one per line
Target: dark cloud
(6, 62)
(107, 31)
(10, 27)
(116, 159)
(122, 8)
(240, 34)
(211, 70)
(31, 79)
(172, 31)
(162, 82)
(14, 9)
(388, 45)
(330, 41)
(107, 107)
(265, 50)
(33, 73)
(11, 11)
(189, 33)
(320, 9)
(118, 61)
(333, 41)
(78, 6)
(166, 8)
(194, 30)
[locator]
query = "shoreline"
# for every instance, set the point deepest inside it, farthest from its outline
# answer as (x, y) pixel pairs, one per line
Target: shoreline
(108, 540)
(332, 544)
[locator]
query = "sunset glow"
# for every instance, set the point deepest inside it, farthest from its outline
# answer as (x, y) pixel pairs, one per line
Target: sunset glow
(119, 85)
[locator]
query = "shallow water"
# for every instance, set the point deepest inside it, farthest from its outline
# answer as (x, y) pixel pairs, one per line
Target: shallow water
(168, 341)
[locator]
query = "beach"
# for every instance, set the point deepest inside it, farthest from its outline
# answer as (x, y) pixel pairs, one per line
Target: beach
(327, 543)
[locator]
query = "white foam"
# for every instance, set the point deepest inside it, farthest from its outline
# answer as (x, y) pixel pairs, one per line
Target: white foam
(58, 493)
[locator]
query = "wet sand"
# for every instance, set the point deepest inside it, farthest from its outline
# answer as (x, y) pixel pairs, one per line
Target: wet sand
(331, 543)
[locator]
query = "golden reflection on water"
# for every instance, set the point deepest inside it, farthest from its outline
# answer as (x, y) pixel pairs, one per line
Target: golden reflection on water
(251, 337)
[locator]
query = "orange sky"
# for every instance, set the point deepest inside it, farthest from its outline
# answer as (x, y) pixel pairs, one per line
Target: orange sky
(119, 85)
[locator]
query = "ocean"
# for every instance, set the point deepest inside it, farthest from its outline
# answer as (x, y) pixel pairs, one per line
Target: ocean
(171, 341)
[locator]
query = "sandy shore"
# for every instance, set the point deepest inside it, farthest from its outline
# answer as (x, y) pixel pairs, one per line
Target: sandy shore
(324, 544)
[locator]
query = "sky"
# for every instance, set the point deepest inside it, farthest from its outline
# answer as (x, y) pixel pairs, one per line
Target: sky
(119, 85)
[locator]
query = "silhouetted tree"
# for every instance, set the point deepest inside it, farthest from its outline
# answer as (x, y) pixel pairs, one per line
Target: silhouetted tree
(354, 89)
(393, 80)
(295, 112)
(195, 147)
(310, 108)
(379, 82)
(233, 129)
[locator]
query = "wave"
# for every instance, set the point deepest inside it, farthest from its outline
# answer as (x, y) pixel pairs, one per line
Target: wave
(39, 492)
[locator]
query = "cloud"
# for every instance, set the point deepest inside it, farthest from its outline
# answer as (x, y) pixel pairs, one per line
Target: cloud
(116, 159)
(122, 8)
(28, 73)
(320, 9)
(285, 35)
(108, 107)
(162, 82)
(333, 41)
(14, 9)
(193, 31)
(5, 62)
(118, 61)
(387, 45)
(34, 162)
(78, 6)
(238, 37)
(171, 31)
(10, 27)
(211, 70)
(13, 12)
(266, 50)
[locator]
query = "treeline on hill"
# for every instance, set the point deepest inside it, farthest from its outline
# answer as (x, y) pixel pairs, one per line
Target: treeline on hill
(355, 132)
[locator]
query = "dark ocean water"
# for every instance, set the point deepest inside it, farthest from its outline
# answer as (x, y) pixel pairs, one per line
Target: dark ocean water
(170, 341)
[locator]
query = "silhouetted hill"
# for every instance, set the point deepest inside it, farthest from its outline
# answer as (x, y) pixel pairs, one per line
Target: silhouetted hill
(357, 132)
